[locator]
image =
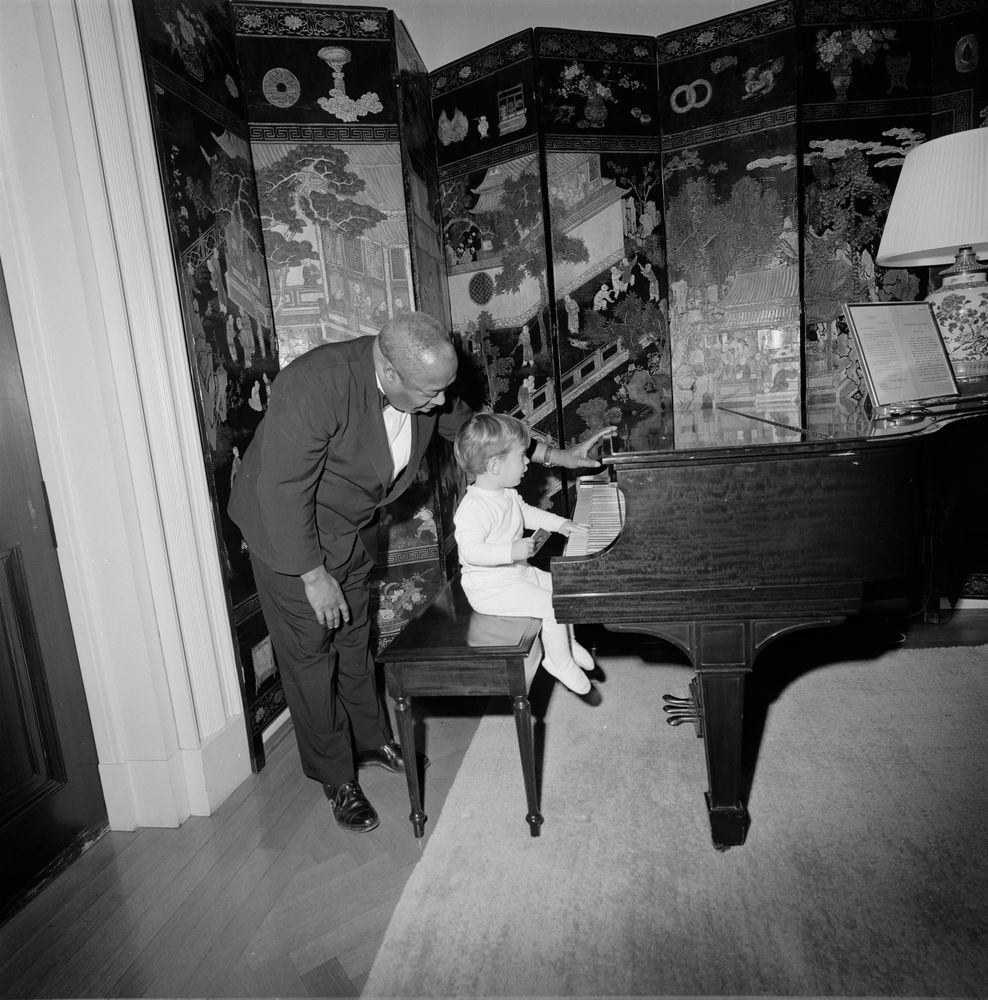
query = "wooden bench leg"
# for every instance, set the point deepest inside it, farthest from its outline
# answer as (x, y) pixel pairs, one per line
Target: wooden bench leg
(526, 746)
(406, 728)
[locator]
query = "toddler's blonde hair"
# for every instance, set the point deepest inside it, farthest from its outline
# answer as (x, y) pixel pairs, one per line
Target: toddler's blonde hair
(485, 436)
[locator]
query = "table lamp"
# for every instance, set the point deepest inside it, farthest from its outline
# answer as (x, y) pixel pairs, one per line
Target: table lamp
(939, 215)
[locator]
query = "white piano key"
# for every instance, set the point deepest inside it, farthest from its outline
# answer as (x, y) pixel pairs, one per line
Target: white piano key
(601, 505)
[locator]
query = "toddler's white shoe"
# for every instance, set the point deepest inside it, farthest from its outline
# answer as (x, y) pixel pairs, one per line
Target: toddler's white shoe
(584, 658)
(569, 674)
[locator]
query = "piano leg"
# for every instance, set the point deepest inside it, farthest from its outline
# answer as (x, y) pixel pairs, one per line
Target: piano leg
(719, 695)
(722, 653)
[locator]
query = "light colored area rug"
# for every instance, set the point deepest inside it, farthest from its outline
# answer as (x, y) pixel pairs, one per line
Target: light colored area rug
(864, 872)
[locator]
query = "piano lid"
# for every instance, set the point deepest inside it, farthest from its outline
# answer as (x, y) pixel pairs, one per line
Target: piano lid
(838, 421)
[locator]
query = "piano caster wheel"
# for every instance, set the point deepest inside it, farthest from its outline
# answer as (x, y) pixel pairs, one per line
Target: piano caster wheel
(728, 827)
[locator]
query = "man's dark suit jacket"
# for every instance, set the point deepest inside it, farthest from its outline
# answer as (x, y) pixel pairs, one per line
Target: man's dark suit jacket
(319, 465)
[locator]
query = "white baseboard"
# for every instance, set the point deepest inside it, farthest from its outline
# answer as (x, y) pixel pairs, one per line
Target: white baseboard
(165, 792)
(217, 767)
(144, 793)
(965, 604)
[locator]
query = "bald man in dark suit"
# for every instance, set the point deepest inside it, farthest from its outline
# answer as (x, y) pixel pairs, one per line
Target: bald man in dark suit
(345, 430)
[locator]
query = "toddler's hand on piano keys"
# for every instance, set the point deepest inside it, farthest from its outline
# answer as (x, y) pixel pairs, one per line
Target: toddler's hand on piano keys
(568, 527)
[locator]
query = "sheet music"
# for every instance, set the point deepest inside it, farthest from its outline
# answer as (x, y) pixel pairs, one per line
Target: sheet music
(902, 351)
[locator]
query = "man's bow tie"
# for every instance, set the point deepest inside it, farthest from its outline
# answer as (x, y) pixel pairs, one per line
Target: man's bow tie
(385, 403)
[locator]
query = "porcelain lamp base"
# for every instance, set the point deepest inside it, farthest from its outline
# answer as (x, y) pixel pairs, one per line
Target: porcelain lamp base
(960, 306)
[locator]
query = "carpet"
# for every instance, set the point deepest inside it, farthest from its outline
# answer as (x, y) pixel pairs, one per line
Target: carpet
(863, 873)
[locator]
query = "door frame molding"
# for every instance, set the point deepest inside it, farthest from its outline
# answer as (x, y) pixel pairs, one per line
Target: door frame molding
(86, 253)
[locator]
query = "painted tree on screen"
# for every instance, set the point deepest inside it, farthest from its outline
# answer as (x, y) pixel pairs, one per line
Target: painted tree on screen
(303, 189)
(636, 324)
(229, 196)
(645, 190)
(519, 234)
(844, 199)
(710, 237)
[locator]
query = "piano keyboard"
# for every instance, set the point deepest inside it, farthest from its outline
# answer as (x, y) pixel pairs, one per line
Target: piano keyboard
(601, 505)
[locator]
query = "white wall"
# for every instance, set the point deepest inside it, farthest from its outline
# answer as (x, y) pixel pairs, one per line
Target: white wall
(446, 30)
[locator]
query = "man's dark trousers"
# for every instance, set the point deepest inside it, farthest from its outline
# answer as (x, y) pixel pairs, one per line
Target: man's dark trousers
(327, 675)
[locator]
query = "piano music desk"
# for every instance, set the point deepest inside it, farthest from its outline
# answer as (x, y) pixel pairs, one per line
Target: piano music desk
(449, 649)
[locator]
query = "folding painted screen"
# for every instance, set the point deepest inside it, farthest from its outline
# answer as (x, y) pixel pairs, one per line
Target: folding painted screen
(550, 139)
(865, 92)
(200, 123)
(649, 232)
(314, 222)
(784, 128)
(600, 129)
(493, 217)
(342, 145)
(752, 190)
(729, 164)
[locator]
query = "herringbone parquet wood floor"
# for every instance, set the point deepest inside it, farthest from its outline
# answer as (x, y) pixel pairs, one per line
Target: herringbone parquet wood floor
(267, 897)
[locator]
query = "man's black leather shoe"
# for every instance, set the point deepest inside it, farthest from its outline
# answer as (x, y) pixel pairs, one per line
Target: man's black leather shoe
(350, 807)
(389, 756)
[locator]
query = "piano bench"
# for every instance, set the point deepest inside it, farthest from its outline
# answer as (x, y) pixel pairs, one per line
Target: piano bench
(450, 649)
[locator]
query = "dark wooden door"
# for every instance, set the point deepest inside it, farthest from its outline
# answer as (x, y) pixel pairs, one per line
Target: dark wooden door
(51, 800)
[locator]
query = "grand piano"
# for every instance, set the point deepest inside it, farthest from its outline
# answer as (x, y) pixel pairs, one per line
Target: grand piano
(743, 527)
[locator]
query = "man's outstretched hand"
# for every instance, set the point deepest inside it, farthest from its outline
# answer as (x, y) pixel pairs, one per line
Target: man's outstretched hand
(578, 457)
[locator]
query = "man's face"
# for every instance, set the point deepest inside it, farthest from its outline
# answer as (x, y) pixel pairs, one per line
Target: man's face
(421, 392)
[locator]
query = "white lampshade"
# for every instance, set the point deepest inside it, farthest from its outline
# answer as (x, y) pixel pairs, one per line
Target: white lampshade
(940, 202)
